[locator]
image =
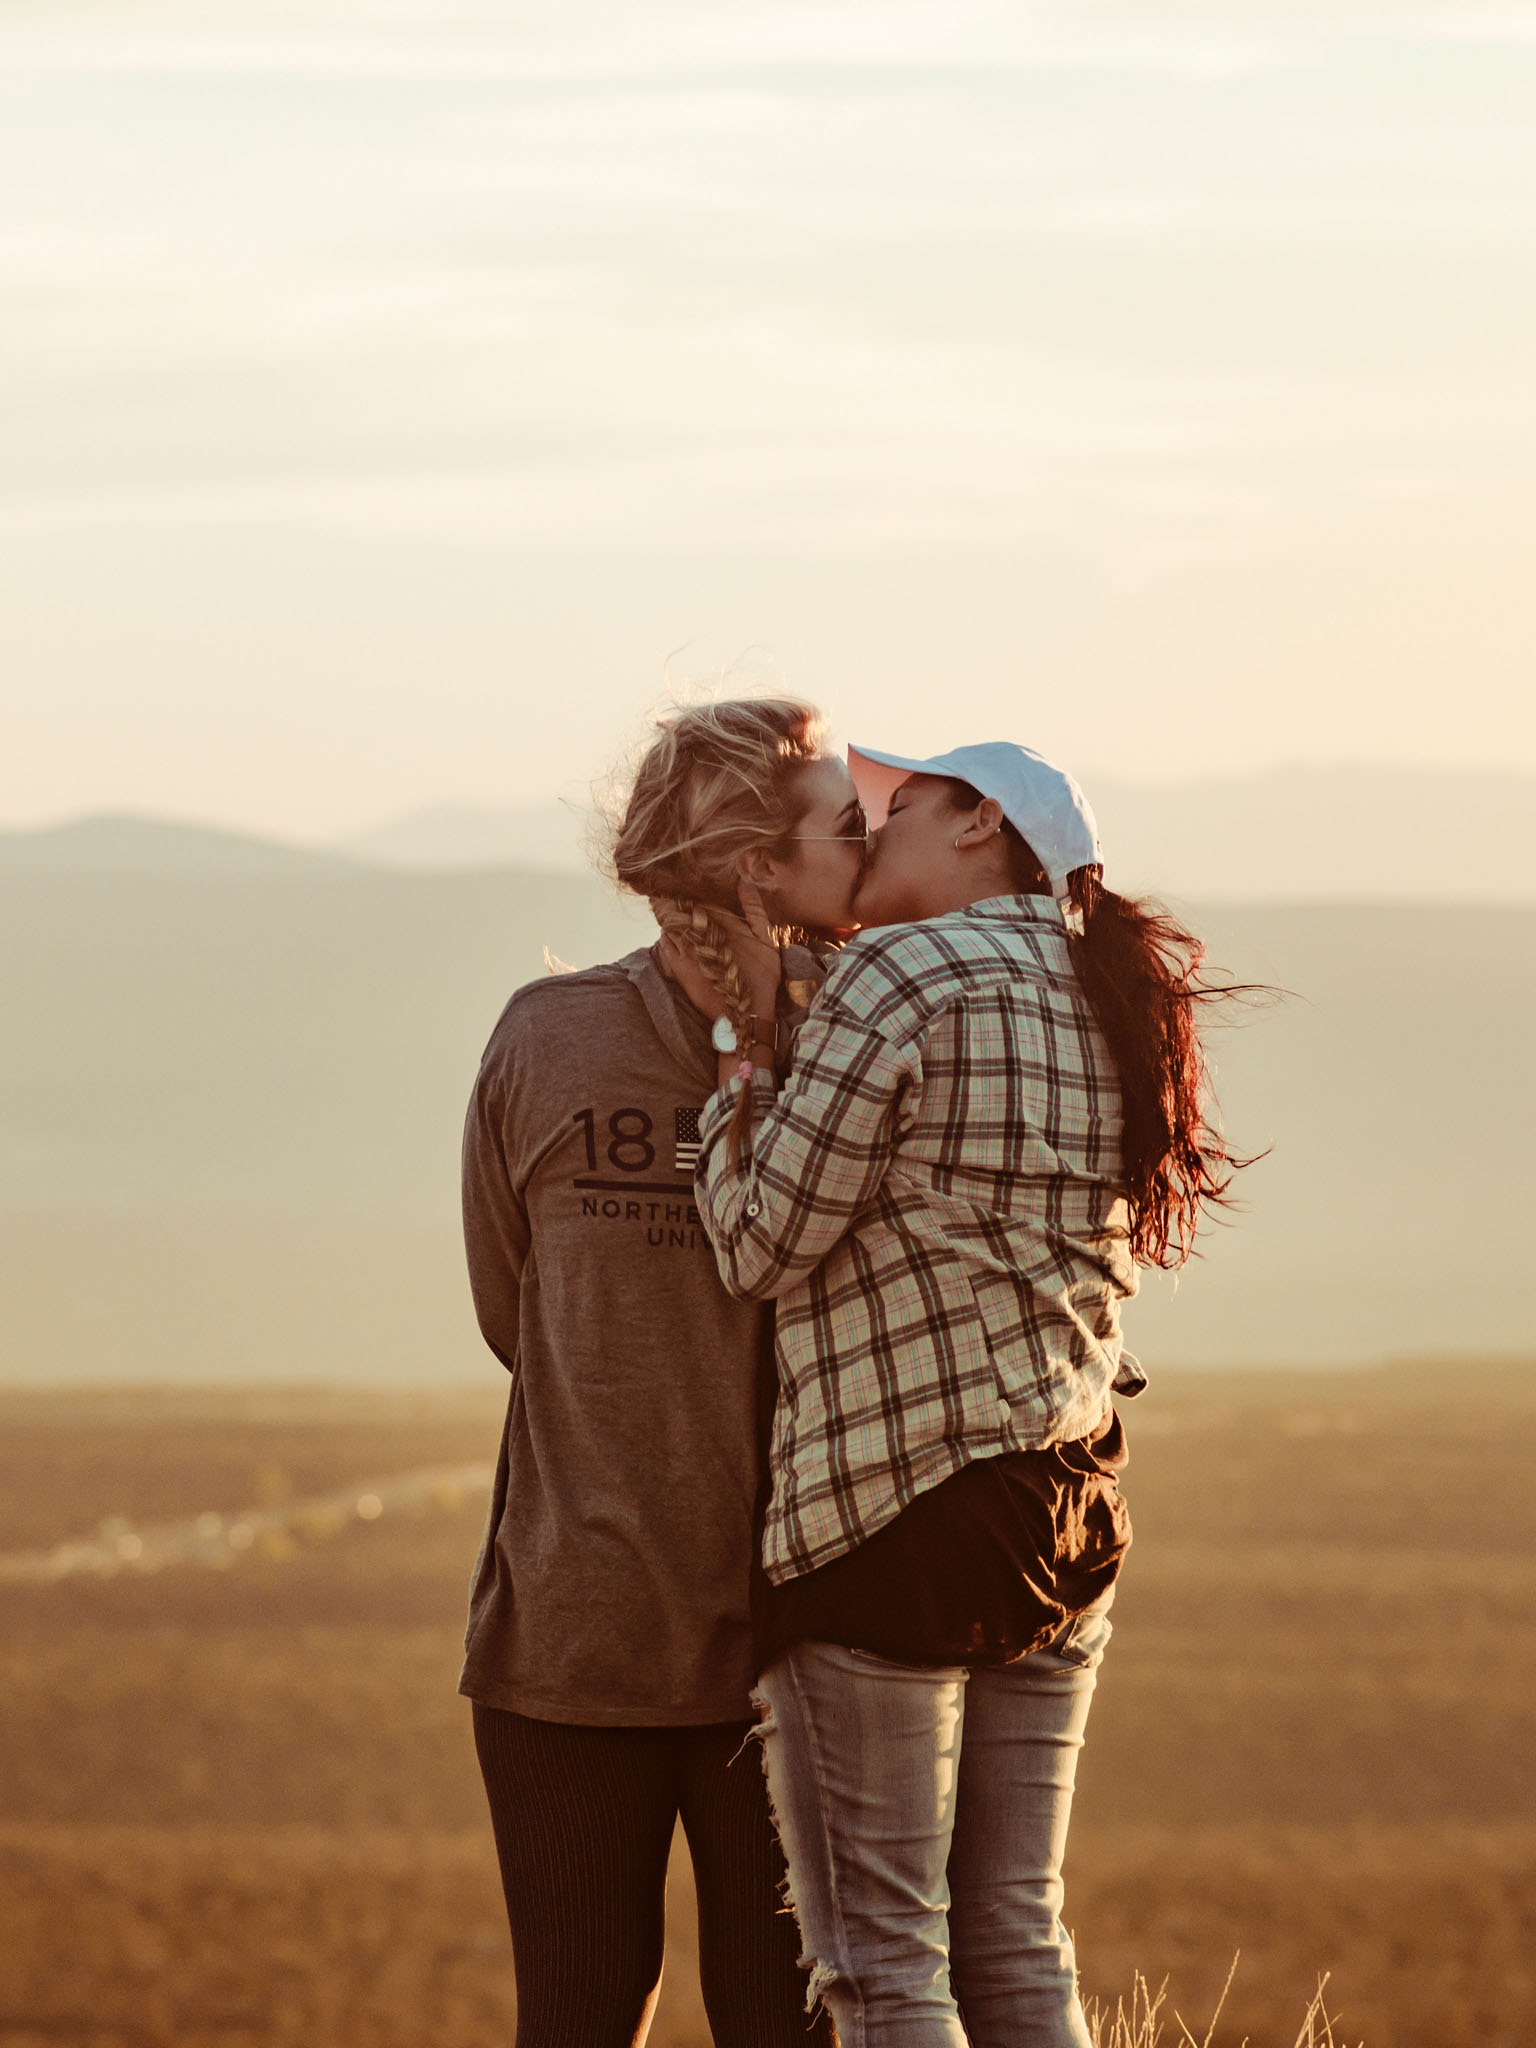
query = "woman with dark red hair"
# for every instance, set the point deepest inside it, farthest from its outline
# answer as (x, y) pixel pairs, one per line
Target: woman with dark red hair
(997, 1111)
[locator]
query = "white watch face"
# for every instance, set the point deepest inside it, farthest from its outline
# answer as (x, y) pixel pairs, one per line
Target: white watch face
(723, 1035)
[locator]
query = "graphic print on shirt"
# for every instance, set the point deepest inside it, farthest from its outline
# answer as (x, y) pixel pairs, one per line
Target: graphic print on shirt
(623, 1182)
(686, 1155)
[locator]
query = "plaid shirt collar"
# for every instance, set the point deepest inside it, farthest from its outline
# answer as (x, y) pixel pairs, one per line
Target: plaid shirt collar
(1013, 910)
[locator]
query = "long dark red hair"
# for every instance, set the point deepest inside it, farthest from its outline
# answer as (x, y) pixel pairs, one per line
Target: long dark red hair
(1144, 976)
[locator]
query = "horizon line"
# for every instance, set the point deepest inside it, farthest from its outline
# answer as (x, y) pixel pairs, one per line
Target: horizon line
(339, 839)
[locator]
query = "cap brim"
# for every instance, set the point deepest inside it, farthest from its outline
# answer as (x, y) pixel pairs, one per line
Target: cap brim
(877, 777)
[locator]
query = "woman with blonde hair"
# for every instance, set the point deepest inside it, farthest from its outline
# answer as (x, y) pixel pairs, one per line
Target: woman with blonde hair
(609, 1652)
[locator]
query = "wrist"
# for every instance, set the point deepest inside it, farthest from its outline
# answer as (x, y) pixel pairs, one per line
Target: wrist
(728, 1065)
(766, 1030)
(758, 1040)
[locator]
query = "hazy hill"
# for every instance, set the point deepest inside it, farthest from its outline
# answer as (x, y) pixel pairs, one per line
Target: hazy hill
(108, 843)
(1346, 835)
(230, 1106)
(1334, 834)
(277, 1044)
(537, 836)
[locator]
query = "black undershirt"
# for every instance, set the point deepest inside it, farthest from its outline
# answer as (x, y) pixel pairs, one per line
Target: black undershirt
(979, 1570)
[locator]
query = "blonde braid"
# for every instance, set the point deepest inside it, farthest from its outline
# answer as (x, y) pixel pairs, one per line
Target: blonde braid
(709, 944)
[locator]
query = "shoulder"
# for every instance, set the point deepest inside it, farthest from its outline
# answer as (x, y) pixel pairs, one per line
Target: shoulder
(541, 1015)
(902, 974)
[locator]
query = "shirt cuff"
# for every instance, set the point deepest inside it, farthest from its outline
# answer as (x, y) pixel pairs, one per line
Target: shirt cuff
(1129, 1379)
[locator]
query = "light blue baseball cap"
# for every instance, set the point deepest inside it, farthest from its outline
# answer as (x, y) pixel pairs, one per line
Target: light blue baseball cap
(1041, 801)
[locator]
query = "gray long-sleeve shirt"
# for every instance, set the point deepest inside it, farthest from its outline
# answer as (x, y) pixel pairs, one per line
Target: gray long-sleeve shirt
(612, 1585)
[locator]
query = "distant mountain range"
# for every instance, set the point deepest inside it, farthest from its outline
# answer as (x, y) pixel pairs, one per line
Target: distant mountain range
(231, 1095)
(1349, 834)
(546, 836)
(111, 843)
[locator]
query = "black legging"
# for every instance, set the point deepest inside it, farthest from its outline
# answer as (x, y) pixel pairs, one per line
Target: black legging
(584, 1820)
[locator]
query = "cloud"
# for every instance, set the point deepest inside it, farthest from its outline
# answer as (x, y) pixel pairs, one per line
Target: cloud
(734, 273)
(736, 429)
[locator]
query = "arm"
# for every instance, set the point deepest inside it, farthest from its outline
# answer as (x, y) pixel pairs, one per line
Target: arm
(496, 1234)
(818, 1152)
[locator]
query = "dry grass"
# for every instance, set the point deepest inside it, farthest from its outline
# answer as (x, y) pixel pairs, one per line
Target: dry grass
(240, 1808)
(1140, 2021)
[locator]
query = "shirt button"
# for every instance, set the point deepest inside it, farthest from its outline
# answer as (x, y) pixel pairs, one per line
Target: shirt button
(1004, 1412)
(754, 1207)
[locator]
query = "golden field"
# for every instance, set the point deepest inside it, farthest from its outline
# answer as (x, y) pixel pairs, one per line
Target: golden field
(239, 1807)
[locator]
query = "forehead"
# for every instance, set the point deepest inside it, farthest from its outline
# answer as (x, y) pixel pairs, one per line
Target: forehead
(826, 786)
(878, 783)
(924, 790)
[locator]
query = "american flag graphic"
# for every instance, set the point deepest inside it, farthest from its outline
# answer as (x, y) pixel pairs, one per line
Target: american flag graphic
(686, 1124)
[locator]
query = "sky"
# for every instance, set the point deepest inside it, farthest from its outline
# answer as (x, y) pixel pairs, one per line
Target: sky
(399, 399)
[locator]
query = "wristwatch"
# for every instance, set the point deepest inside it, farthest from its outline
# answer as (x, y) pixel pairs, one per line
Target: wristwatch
(722, 1035)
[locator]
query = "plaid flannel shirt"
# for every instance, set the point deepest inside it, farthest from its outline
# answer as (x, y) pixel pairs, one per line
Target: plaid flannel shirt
(932, 1198)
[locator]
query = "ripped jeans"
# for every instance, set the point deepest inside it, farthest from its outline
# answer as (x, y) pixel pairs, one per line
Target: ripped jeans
(924, 1816)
